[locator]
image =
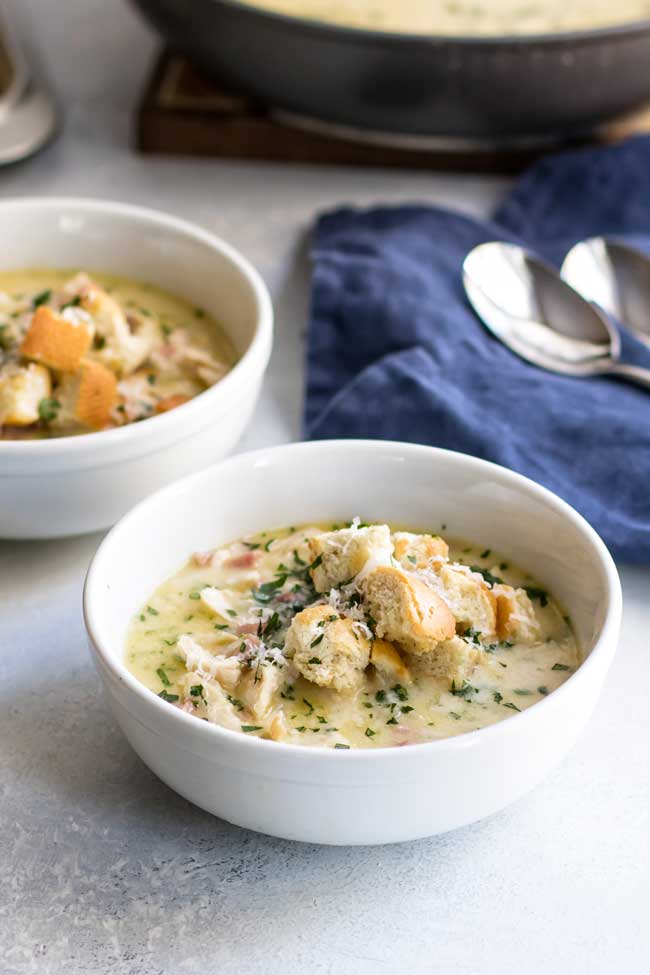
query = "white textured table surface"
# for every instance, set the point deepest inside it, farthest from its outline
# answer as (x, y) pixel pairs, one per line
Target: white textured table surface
(103, 868)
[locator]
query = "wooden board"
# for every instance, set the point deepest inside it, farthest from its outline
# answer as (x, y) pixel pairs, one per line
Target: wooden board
(182, 112)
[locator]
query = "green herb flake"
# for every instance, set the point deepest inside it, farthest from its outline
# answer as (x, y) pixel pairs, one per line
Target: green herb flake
(196, 690)
(560, 667)
(369, 733)
(194, 595)
(341, 745)
(401, 692)
(171, 698)
(542, 689)
(42, 298)
(498, 697)
(163, 677)
(534, 592)
(317, 640)
(309, 705)
(152, 611)
(251, 727)
(522, 691)
(513, 707)
(48, 409)
(486, 554)
(314, 660)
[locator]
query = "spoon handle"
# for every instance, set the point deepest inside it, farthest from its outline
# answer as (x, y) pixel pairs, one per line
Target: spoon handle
(635, 374)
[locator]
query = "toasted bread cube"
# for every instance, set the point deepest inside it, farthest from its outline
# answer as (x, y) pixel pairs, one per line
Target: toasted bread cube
(406, 611)
(21, 390)
(343, 554)
(470, 600)
(87, 397)
(516, 618)
(168, 403)
(121, 350)
(452, 660)
(387, 661)
(327, 649)
(419, 551)
(56, 341)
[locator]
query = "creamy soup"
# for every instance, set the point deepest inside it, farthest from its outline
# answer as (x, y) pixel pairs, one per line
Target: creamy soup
(353, 636)
(465, 17)
(80, 353)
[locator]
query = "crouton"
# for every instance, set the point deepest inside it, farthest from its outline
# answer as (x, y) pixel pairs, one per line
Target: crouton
(516, 619)
(387, 661)
(87, 397)
(56, 341)
(119, 348)
(227, 670)
(419, 551)
(21, 390)
(406, 611)
(327, 649)
(452, 660)
(470, 600)
(342, 555)
(168, 403)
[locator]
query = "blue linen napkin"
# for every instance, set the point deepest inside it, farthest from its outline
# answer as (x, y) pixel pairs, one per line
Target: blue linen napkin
(395, 351)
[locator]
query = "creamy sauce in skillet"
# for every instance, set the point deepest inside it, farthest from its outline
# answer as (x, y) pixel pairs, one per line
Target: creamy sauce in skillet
(465, 17)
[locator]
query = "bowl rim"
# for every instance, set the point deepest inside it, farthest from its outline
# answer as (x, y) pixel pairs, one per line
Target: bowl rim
(257, 351)
(389, 38)
(604, 645)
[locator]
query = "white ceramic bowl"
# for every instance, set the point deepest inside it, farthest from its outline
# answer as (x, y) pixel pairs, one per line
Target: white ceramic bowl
(363, 796)
(70, 485)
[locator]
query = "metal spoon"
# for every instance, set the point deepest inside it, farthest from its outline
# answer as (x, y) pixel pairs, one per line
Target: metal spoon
(526, 304)
(614, 275)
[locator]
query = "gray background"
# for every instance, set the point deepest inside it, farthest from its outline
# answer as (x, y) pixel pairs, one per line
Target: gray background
(103, 868)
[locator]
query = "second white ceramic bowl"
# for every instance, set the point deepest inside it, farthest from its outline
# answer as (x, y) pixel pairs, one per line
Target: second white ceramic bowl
(70, 485)
(363, 796)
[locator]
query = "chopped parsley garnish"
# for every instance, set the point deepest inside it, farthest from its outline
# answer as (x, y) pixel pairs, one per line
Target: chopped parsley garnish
(503, 566)
(401, 692)
(560, 667)
(168, 697)
(542, 689)
(380, 696)
(163, 677)
(196, 690)
(522, 691)
(314, 660)
(534, 592)
(231, 612)
(74, 302)
(369, 733)
(48, 409)
(267, 545)
(392, 721)
(317, 640)
(236, 703)
(513, 707)
(473, 636)
(99, 342)
(455, 714)
(170, 643)
(340, 745)
(220, 626)
(498, 697)
(251, 727)
(152, 611)
(486, 554)
(309, 704)
(194, 595)
(42, 298)
(272, 624)
(151, 378)
(489, 577)
(464, 691)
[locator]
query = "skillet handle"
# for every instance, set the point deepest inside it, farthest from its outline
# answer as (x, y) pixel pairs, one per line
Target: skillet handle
(635, 374)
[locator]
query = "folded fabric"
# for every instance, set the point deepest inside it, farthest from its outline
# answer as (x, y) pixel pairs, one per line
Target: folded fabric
(396, 352)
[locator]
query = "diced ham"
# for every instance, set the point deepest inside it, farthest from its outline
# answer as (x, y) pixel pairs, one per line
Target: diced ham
(248, 627)
(244, 561)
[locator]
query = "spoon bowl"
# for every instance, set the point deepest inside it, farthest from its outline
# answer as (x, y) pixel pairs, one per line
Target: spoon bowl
(615, 276)
(525, 303)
